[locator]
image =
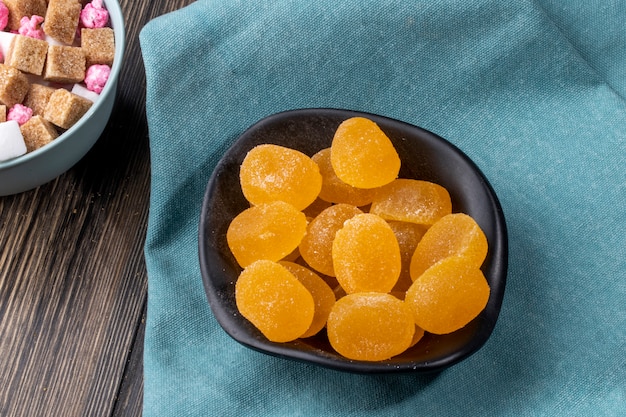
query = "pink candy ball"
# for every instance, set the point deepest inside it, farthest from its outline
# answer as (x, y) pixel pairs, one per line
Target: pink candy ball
(20, 113)
(32, 27)
(4, 16)
(94, 15)
(96, 77)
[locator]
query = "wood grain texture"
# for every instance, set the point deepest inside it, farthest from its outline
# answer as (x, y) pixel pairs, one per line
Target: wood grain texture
(72, 274)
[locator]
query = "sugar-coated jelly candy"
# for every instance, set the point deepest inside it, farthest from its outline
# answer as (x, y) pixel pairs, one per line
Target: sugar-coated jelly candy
(323, 295)
(362, 155)
(268, 231)
(448, 295)
(316, 246)
(339, 292)
(414, 201)
(370, 326)
(274, 301)
(408, 236)
(315, 208)
(336, 191)
(454, 234)
(417, 336)
(271, 172)
(366, 255)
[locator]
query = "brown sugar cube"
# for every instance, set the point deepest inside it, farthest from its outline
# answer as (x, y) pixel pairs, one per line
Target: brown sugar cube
(37, 97)
(61, 20)
(65, 108)
(3, 113)
(37, 132)
(21, 8)
(98, 45)
(13, 85)
(65, 64)
(27, 54)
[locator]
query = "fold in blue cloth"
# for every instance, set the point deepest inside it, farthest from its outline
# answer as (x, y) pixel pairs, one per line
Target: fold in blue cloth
(532, 91)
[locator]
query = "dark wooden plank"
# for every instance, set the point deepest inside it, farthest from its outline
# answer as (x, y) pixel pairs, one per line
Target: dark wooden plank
(129, 399)
(70, 306)
(72, 273)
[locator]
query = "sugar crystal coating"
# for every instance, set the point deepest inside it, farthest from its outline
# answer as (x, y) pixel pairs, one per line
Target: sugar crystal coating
(366, 255)
(38, 132)
(98, 45)
(13, 85)
(61, 20)
(272, 172)
(267, 231)
(37, 97)
(448, 295)
(336, 191)
(362, 155)
(274, 301)
(27, 54)
(64, 108)
(316, 247)
(322, 294)
(414, 201)
(454, 234)
(65, 64)
(370, 326)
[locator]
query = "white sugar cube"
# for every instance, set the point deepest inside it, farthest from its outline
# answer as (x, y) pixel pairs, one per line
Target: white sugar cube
(5, 42)
(11, 140)
(81, 90)
(53, 41)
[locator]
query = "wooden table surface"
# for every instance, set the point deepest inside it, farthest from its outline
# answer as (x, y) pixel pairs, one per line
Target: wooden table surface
(73, 282)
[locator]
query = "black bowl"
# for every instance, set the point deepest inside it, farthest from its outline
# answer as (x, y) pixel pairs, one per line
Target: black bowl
(424, 156)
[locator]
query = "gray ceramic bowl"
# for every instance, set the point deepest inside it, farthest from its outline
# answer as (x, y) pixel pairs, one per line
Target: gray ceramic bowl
(48, 162)
(424, 156)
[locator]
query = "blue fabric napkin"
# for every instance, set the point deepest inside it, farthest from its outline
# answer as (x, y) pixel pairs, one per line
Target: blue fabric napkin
(533, 91)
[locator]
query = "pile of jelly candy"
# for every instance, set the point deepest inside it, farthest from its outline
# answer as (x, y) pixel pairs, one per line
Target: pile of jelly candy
(337, 241)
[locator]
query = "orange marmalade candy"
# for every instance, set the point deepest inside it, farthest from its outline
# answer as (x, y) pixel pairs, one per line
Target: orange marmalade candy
(382, 261)
(362, 155)
(370, 326)
(414, 201)
(336, 191)
(417, 336)
(408, 236)
(454, 234)
(315, 208)
(274, 301)
(271, 172)
(323, 295)
(448, 295)
(267, 231)
(316, 246)
(366, 255)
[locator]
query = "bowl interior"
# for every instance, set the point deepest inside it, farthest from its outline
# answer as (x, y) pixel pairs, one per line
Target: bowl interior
(424, 156)
(46, 163)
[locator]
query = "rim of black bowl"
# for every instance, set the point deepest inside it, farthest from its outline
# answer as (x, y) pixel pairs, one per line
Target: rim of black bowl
(310, 130)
